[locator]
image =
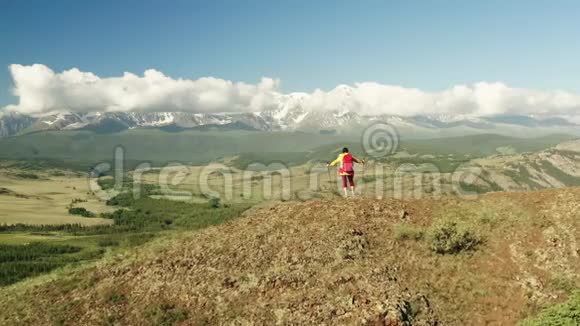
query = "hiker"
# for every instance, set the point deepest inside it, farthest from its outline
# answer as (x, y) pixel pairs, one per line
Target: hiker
(346, 169)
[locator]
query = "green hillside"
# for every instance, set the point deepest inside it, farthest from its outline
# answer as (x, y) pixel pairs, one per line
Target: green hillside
(154, 145)
(471, 145)
(83, 149)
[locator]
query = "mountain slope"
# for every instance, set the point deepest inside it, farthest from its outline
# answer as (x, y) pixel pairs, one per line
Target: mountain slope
(551, 168)
(331, 262)
(12, 123)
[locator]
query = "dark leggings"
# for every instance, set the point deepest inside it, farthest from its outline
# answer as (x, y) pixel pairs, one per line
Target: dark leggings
(350, 178)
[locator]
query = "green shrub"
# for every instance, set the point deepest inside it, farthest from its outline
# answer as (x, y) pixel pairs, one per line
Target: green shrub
(108, 242)
(106, 183)
(563, 283)
(405, 231)
(115, 298)
(564, 314)
(138, 239)
(451, 237)
(215, 202)
(166, 315)
(81, 211)
(123, 199)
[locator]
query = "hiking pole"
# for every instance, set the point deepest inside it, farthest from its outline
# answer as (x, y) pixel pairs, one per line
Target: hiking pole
(328, 170)
(364, 163)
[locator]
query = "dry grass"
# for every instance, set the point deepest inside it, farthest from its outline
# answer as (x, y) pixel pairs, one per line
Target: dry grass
(328, 262)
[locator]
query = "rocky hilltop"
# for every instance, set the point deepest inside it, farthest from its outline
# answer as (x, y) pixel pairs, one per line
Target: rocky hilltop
(496, 259)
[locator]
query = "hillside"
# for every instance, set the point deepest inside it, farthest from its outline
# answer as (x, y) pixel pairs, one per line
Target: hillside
(88, 148)
(551, 168)
(494, 260)
(466, 146)
(156, 146)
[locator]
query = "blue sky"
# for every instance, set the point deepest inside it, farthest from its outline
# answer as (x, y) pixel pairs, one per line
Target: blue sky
(430, 45)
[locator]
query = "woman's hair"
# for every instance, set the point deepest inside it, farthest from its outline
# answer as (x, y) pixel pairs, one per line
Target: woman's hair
(345, 150)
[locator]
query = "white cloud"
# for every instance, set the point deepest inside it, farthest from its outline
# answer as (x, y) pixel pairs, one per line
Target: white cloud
(41, 90)
(480, 99)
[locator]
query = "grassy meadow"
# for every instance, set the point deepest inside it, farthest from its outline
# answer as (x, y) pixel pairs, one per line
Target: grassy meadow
(40, 197)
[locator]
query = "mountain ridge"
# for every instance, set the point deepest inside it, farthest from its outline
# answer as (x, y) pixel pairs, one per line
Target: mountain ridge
(283, 118)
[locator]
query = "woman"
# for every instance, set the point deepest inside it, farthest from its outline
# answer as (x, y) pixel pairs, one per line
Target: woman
(346, 169)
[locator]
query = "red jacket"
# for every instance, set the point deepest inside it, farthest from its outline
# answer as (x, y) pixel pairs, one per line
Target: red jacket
(346, 161)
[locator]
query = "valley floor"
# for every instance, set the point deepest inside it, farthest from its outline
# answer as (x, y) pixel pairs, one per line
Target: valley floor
(40, 198)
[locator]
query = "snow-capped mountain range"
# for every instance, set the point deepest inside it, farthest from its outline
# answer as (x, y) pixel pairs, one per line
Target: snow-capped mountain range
(288, 116)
